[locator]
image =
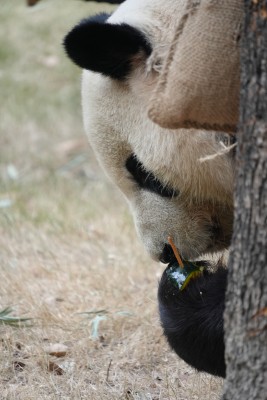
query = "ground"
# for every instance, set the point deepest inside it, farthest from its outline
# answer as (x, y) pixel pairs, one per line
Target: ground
(69, 255)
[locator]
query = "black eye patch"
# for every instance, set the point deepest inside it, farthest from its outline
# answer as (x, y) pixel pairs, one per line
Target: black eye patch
(147, 180)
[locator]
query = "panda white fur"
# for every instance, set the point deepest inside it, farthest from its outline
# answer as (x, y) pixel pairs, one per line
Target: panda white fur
(170, 192)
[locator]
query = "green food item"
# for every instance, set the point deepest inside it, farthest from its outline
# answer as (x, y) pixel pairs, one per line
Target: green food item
(181, 276)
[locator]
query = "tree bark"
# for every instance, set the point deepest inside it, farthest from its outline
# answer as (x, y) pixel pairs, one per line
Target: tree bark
(246, 297)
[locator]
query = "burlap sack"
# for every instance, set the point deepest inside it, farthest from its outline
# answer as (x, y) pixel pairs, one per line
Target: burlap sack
(198, 86)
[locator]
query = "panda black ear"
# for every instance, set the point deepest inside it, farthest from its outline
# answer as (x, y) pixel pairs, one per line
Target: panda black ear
(106, 48)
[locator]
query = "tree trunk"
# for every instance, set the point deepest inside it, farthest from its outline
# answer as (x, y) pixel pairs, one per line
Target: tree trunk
(246, 304)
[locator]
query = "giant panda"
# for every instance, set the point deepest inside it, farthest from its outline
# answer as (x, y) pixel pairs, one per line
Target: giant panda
(169, 191)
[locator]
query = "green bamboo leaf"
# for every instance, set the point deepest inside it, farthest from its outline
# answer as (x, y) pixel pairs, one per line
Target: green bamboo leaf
(6, 319)
(95, 325)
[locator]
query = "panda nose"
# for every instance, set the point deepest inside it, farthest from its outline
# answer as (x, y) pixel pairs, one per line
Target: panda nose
(167, 254)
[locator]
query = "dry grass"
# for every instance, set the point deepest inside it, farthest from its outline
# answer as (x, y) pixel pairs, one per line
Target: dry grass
(67, 243)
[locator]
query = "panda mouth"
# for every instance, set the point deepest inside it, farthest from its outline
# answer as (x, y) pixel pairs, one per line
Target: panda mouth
(219, 240)
(167, 256)
(172, 254)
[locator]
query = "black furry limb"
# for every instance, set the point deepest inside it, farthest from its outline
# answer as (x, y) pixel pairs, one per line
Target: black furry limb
(192, 319)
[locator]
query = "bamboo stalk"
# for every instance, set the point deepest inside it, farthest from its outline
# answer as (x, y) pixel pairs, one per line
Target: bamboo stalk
(175, 251)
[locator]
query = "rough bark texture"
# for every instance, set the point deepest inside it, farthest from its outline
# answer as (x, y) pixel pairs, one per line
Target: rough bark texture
(246, 305)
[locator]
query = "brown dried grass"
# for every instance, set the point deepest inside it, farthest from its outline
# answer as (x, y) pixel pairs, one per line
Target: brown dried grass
(67, 243)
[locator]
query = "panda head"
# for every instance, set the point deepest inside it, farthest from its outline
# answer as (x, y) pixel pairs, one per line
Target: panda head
(121, 55)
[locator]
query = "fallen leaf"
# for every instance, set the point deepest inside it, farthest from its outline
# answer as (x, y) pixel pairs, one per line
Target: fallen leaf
(129, 395)
(18, 365)
(55, 368)
(18, 345)
(57, 350)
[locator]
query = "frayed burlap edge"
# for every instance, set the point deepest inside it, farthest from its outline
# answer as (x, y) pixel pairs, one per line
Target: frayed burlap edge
(155, 103)
(191, 8)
